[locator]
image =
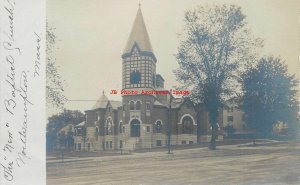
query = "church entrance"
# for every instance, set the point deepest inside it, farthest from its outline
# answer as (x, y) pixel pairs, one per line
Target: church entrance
(135, 128)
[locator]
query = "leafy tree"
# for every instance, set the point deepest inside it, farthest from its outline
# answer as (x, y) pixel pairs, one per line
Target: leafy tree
(57, 122)
(54, 83)
(214, 47)
(270, 96)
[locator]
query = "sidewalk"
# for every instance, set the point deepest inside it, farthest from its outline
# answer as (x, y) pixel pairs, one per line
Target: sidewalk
(205, 152)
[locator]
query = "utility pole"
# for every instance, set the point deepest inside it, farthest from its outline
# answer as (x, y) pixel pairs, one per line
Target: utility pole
(169, 123)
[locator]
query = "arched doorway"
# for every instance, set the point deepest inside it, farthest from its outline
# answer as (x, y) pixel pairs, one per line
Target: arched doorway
(135, 128)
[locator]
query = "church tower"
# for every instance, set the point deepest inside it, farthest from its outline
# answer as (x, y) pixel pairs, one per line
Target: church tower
(138, 73)
(139, 62)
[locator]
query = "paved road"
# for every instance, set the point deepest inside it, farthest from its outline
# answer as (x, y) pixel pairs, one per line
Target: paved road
(228, 165)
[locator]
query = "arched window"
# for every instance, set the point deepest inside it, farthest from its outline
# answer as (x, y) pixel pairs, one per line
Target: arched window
(158, 127)
(131, 105)
(138, 105)
(187, 125)
(108, 126)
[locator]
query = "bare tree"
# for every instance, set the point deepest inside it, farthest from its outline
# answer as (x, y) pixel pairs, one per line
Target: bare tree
(215, 47)
(54, 82)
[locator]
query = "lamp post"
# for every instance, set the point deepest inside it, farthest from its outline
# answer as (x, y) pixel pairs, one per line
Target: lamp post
(169, 123)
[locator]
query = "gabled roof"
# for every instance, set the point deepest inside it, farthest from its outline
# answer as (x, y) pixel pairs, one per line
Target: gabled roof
(115, 104)
(157, 103)
(138, 35)
(81, 124)
(67, 128)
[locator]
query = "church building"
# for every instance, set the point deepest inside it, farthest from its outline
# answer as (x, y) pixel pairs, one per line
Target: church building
(141, 120)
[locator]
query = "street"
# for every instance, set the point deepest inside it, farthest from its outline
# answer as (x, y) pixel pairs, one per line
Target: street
(278, 163)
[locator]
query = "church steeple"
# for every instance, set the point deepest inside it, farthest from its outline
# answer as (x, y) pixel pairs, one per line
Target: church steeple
(139, 62)
(139, 35)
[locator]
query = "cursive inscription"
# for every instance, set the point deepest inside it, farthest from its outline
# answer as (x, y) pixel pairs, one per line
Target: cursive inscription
(9, 44)
(16, 103)
(23, 132)
(37, 62)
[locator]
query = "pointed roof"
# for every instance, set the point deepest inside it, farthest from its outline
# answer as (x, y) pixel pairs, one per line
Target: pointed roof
(101, 102)
(139, 35)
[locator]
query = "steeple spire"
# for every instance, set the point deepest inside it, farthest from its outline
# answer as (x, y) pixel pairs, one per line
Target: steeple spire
(139, 34)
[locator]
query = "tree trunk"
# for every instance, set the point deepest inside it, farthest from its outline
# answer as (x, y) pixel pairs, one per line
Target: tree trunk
(214, 134)
(213, 116)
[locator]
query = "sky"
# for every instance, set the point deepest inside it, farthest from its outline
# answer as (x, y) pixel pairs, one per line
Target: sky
(92, 35)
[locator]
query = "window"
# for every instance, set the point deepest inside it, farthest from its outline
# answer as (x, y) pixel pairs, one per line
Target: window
(121, 144)
(75, 147)
(121, 127)
(158, 142)
(108, 126)
(97, 131)
(89, 146)
(79, 131)
(79, 146)
(187, 125)
(106, 144)
(135, 77)
(158, 127)
(110, 144)
(148, 105)
(131, 105)
(97, 117)
(148, 128)
(191, 142)
(183, 142)
(138, 105)
(230, 118)
(103, 145)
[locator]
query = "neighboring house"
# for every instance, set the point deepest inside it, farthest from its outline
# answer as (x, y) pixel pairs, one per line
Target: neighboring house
(65, 137)
(140, 120)
(234, 116)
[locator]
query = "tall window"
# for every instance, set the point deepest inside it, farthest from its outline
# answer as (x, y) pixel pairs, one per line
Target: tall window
(158, 127)
(138, 105)
(108, 126)
(131, 105)
(121, 127)
(148, 105)
(97, 116)
(187, 125)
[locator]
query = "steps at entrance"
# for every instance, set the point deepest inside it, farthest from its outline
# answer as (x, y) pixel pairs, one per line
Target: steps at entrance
(132, 143)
